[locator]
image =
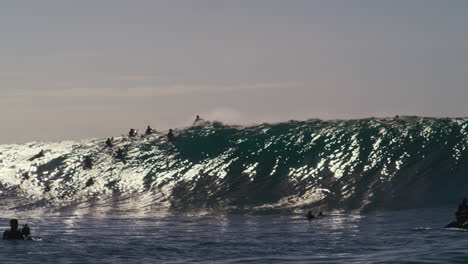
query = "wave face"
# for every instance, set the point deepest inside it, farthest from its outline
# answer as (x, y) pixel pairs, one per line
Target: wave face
(367, 164)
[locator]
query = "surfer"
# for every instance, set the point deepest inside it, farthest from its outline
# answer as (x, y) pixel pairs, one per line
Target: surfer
(132, 133)
(88, 163)
(170, 135)
(38, 155)
(197, 119)
(120, 155)
(109, 142)
(89, 182)
(148, 131)
(309, 215)
(26, 231)
(14, 232)
(320, 213)
(462, 213)
(461, 216)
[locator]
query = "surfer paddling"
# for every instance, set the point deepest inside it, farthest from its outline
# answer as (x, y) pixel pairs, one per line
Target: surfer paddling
(461, 216)
(311, 216)
(109, 143)
(38, 155)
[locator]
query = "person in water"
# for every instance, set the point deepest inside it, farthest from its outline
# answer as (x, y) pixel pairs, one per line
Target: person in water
(197, 119)
(461, 216)
(109, 142)
(89, 182)
(170, 135)
(309, 215)
(88, 163)
(26, 231)
(47, 188)
(120, 155)
(462, 213)
(14, 232)
(148, 131)
(132, 132)
(38, 155)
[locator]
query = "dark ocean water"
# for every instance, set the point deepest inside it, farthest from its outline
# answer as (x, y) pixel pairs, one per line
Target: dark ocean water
(407, 236)
(231, 194)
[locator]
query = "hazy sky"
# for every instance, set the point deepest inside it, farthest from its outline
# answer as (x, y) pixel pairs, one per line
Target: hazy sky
(95, 68)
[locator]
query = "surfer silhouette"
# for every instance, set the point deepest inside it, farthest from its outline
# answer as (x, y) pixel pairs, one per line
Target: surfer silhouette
(13, 232)
(26, 231)
(109, 142)
(309, 215)
(462, 213)
(88, 163)
(38, 155)
(170, 135)
(120, 155)
(461, 216)
(132, 133)
(197, 119)
(148, 131)
(89, 182)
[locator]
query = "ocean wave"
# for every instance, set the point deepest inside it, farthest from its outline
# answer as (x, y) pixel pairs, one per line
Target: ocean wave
(366, 164)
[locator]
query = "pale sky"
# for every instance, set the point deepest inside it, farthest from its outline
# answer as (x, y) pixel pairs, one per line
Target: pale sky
(96, 68)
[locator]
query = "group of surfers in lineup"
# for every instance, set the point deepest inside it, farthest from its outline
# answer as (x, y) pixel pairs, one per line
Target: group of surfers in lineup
(120, 154)
(25, 233)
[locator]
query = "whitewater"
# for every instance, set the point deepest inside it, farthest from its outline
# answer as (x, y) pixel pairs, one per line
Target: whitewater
(238, 194)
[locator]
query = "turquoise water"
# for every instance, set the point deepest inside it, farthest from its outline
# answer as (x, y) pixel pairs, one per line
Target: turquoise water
(407, 236)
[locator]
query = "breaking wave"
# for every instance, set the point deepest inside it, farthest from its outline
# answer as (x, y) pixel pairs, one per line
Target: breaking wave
(366, 164)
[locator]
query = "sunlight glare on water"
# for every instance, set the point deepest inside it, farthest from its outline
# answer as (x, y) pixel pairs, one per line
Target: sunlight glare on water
(383, 237)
